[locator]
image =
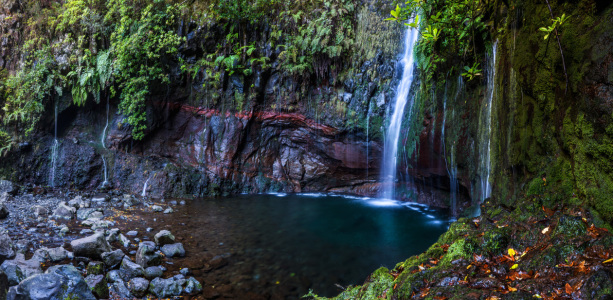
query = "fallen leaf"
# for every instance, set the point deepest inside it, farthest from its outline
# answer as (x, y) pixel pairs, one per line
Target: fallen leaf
(545, 230)
(607, 261)
(568, 289)
(512, 289)
(511, 252)
(514, 266)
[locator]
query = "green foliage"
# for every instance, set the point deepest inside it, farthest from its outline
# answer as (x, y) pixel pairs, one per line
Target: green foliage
(557, 22)
(5, 143)
(471, 72)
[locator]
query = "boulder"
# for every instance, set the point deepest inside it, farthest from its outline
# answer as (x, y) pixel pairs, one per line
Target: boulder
(92, 246)
(153, 272)
(64, 211)
(119, 290)
(166, 288)
(173, 250)
(5, 197)
(192, 286)
(98, 285)
(19, 268)
(157, 208)
(40, 211)
(113, 276)
(113, 258)
(51, 254)
(138, 286)
(4, 285)
(58, 282)
(8, 187)
(164, 237)
(6, 246)
(146, 255)
(112, 235)
(84, 213)
(95, 268)
(129, 269)
(125, 242)
(79, 202)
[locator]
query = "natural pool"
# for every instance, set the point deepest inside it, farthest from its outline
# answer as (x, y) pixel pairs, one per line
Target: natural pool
(280, 246)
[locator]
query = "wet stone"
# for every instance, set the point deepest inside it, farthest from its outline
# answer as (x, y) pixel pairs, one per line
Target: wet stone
(173, 250)
(95, 268)
(113, 258)
(129, 269)
(164, 237)
(98, 285)
(153, 272)
(113, 276)
(19, 268)
(146, 256)
(120, 290)
(138, 286)
(92, 246)
(192, 286)
(165, 288)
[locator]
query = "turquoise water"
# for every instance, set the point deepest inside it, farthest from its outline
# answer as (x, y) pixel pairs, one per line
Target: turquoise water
(280, 246)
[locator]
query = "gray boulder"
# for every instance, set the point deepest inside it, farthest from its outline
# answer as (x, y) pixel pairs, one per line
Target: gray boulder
(164, 237)
(59, 282)
(153, 272)
(173, 250)
(64, 211)
(51, 254)
(138, 286)
(113, 276)
(79, 202)
(92, 246)
(129, 270)
(84, 213)
(40, 211)
(7, 187)
(119, 290)
(166, 288)
(157, 208)
(146, 255)
(113, 258)
(19, 268)
(6, 246)
(98, 285)
(5, 197)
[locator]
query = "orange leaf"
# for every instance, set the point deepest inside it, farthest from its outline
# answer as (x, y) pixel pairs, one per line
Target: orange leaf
(568, 289)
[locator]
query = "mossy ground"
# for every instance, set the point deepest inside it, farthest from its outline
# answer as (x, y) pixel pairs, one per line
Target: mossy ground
(559, 254)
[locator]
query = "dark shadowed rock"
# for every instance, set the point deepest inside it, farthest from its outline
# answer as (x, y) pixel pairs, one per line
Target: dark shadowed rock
(164, 237)
(113, 258)
(92, 246)
(98, 285)
(172, 250)
(4, 211)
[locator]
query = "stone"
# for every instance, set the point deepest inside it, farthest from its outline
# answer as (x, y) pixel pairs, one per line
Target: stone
(112, 235)
(58, 282)
(164, 237)
(58, 254)
(146, 256)
(173, 250)
(132, 233)
(192, 286)
(166, 288)
(98, 285)
(4, 285)
(84, 213)
(184, 271)
(169, 210)
(218, 262)
(19, 268)
(92, 246)
(124, 241)
(95, 268)
(157, 208)
(96, 215)
(40, 211)
(5, 197)
(6, 246)
(113, 258)
(138, 286)
(129, 269)
(4, 211)
(8, 187)
(113, 276)
(153, 272)
(119, 290)
(64, 211)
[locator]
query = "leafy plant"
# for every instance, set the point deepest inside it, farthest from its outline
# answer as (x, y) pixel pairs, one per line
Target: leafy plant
(557, 22)
(471, 72)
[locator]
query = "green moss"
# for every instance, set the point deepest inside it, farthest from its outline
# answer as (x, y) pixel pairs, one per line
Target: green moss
(570, 227)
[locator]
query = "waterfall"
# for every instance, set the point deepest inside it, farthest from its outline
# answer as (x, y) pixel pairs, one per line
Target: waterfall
(144, 193)
(367, 140)
(452, 168)
(54, 149)
(485, 128)
(102, 138)
(390, 150)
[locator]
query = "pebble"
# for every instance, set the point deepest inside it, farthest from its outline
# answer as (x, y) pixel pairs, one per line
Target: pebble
(132, 233)
(169, 210)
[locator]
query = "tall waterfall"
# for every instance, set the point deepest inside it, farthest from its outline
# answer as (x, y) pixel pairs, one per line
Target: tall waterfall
(390, 151)
(54, 149)
(485, 127)
(102, 138)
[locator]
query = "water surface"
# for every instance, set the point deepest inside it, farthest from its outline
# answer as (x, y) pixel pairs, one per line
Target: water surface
(280, 246)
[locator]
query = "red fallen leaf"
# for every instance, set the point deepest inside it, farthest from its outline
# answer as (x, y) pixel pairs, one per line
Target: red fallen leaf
(548, 211)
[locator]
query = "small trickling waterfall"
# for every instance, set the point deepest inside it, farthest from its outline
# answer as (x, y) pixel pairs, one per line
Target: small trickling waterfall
(54, 149)
(450, 163)
(390, 151)
(485, 127)
(144, 193)
(367, 140)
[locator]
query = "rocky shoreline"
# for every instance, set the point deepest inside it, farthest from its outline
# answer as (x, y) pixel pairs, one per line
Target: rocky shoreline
(79, 245)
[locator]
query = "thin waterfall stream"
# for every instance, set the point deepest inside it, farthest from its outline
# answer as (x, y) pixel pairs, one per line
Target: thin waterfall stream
(102, 141)
(485, 128)
(54, 149)
(390, 152)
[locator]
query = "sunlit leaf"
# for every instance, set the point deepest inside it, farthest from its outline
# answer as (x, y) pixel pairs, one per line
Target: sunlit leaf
(511, 252)
(514, 266)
